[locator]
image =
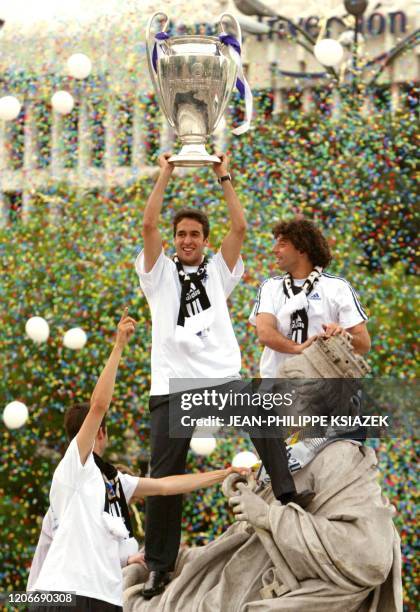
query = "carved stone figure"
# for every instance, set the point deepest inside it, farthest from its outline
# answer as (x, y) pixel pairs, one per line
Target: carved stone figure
(341, 553)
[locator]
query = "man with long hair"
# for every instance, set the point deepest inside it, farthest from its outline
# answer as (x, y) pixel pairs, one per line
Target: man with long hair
(292, 309)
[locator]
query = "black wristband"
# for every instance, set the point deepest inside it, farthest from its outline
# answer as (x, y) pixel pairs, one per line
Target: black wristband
(224, 178)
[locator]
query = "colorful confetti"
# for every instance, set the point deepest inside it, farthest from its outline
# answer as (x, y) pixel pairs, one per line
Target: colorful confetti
(72, 263)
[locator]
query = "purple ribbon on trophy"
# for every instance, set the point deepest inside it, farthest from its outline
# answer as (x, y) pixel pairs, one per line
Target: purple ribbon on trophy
(157, 48)
(241, 82)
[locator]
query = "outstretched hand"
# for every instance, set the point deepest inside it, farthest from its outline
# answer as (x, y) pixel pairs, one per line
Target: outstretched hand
(221, 168)
(125, 329)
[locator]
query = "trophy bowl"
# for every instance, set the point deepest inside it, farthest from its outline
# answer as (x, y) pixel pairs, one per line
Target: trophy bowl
(193, 76)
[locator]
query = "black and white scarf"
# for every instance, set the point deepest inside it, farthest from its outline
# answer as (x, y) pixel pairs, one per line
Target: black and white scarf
(115, 503)
(296, 306)
(195, 311)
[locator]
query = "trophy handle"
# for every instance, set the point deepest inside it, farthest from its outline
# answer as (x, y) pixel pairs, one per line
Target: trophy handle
(234, 22)
(150, 41)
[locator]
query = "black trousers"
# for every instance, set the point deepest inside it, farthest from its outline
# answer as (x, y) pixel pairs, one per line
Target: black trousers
(168, 457)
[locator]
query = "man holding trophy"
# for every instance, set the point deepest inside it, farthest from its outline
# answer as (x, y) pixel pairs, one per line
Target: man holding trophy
(192, 334)
(191, 338)
(193, 77)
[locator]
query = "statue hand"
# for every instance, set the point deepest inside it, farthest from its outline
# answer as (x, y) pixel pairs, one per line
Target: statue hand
(229, 485)
(248, 506)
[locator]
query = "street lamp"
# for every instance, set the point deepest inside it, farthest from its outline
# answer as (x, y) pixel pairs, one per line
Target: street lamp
(355, 8)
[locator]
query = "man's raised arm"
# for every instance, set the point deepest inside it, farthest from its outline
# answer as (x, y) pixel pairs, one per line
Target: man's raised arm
(151, 234)
(232, 243)
(102, 394)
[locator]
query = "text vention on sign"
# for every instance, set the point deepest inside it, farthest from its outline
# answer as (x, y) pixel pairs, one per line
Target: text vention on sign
(374, 25)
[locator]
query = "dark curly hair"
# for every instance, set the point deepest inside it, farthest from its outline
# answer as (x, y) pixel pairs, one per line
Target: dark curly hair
(196, 215)
(307, 238)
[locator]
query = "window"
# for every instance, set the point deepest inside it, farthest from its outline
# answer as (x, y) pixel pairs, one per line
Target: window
(15, 141)
(69, 137)
(43, 114)
(124, 135)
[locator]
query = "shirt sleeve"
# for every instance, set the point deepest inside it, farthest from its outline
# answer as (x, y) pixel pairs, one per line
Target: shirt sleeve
(70, 471)
(264, 302)
(129, 484)
(349, 309)
(42, 548)
(149, 281)
(229, 279)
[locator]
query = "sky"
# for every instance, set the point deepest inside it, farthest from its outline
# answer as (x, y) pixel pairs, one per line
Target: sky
(47, 14)
(32, 10)
(29, 12)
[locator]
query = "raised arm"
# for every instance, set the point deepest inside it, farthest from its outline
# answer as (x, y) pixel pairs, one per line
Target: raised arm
(269, 336)
(184, 483)
(102, 394)
(232, 243)
(151, 234)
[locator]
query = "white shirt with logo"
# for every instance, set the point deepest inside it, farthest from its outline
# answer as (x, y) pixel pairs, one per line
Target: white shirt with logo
(332, 300)
(83, 556)
(220, 357)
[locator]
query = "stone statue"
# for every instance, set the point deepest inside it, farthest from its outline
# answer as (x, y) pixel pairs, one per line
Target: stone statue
(341, 553)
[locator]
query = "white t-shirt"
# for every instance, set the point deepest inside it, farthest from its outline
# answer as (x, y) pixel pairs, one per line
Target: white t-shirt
(220, 357)
(332, 300)
(83, 555)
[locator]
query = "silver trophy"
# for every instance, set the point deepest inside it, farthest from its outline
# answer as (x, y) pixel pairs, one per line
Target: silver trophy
(193, 76)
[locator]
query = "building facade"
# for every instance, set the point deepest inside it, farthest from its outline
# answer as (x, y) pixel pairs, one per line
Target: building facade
(107, 139)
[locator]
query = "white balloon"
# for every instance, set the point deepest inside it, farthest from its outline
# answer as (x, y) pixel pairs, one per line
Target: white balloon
(346, 38)
(245, 459)
(75, 338)
(328, 52)
(9, 108)
(62, 102)
(37, 329)
(203, 446)
(79, 65)
(15, 415)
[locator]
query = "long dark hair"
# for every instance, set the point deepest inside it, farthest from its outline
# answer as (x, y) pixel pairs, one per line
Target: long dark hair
(307, 238)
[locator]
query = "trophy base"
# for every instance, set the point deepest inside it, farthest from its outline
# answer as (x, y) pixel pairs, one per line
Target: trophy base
(192, 156)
